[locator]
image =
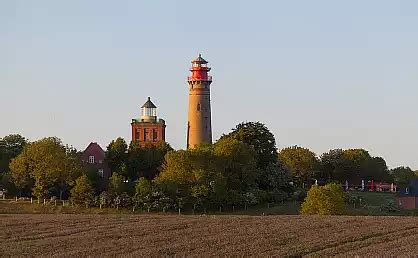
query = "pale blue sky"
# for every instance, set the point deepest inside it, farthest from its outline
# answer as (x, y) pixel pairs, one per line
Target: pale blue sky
(319, 74)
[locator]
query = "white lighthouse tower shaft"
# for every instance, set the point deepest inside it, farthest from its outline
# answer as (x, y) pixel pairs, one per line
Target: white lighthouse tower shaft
(199, 129)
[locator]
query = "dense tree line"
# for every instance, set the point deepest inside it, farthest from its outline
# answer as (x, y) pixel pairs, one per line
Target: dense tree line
(239, 170)
(242, 168)
(339, 165)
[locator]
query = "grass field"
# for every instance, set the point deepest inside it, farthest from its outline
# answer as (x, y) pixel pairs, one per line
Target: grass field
(135, 235)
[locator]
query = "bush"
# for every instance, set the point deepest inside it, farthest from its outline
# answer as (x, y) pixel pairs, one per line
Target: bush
(324, 200)
(354, 200)
(389, 207)
(105, 199)
(82, 193)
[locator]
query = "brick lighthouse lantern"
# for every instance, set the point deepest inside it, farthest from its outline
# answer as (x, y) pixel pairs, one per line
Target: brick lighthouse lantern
(199, 129)
(148, 128)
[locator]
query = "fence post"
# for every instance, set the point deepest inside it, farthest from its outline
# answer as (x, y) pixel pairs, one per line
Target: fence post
(268, 205)
(44, 201)
(55, 203)
(63, 203)
(233, 208)
(179, 212)
(16, 198)
(38, 201)
(100, 206)
(31, 200)
(220, 209)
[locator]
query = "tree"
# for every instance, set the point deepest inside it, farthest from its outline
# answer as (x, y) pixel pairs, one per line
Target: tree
(332, 166)
(48, 164)
(258, 136)
(116, 154)
(21, 173)
(402, 176)
(10, 146)
(324, 200)
(302, 162)
(94, 178)
(353, 165)
(237, 163)
(356, 165)
(217, 174)
(116, 184)
(146, 161)
(143, 188)
(184, 169)
(378, 170)
(82, 193)
(276, 180)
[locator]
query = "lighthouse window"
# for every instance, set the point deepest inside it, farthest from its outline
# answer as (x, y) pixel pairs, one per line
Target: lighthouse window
(154, 135)
(198, 107)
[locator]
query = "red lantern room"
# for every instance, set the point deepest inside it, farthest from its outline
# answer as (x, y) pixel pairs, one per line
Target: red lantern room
(200, 70)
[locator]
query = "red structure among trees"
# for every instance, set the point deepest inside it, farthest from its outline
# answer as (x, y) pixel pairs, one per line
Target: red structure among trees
(93, 159)
(148, 128)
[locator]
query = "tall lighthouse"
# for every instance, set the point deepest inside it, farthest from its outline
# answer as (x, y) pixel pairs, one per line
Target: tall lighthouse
(199, 128)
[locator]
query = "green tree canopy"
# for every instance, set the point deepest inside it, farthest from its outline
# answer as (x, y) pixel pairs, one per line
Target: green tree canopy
(378, 170)
(48, 164)
(275, 177)
(210, 173)
(82, 193)
(146, 161)
(116, 155)
(185, 169)
(259, 137)
(353, 165)
(302, 162)
(237, 163)
(402, 176)
(332, 166)
(116, 185)
(324, 200)
(10, 146)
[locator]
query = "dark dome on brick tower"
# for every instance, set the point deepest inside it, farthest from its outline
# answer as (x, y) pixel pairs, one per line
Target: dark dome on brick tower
(149, 111)
(199, 128)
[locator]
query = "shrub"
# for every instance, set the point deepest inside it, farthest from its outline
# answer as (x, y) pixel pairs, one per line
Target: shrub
(105, 199)
(82, 193)
(324, 200)
(389, 207)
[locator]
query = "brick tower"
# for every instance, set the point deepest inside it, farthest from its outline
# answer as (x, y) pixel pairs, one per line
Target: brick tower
(199, 128)
(148, 128)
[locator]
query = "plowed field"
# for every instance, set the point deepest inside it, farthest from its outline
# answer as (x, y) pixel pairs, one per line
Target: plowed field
(134, 235)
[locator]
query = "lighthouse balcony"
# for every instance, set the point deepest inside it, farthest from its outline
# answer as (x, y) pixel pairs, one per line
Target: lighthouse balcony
(193, 78)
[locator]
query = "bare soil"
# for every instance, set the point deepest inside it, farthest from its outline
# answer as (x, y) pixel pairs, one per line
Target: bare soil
(162, 235)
